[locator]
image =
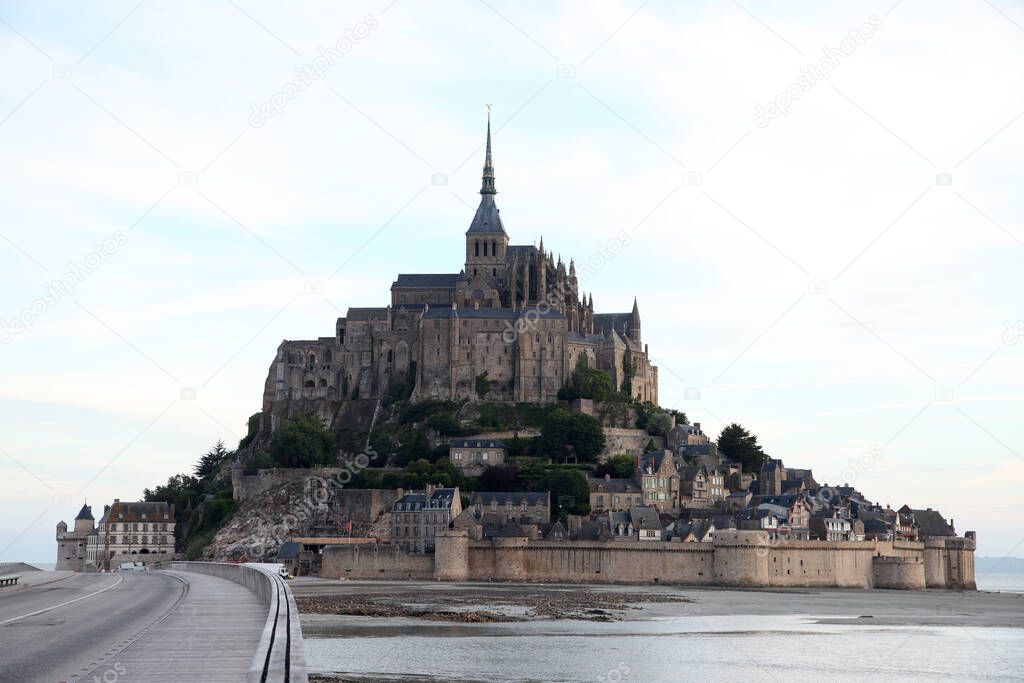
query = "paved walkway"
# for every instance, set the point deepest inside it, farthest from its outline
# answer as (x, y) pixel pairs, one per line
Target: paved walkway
(211, 635)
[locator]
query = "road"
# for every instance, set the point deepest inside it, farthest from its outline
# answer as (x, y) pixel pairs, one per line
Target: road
(129, 627)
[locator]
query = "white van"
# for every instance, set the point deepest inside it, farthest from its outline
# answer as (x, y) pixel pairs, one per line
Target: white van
(131, 567)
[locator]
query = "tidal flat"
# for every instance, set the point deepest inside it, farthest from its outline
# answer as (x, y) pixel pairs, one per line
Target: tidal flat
(386, 630)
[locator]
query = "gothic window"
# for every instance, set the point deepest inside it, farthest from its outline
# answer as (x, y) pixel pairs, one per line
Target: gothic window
(476, 246)
(494, 248)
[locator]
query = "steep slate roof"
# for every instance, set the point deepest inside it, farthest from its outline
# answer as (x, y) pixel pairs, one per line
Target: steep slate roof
(85, 513)
(652, 459)
(645, 518)
(932, 523)
(413, 502)
(592, 530)
(135, 511)
(591, 339)
(531, 498)
(476, 443)
(875, 526)
(428, 280)
(604, 322)
(520, 250)
(487, 219)
(366, 313)
(289, 550)
(597, 485)
(512, 530)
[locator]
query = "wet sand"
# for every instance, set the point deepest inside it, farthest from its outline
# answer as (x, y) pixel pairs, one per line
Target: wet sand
(324, 603)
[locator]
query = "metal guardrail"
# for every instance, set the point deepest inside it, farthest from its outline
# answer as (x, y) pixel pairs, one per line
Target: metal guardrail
(280, 655)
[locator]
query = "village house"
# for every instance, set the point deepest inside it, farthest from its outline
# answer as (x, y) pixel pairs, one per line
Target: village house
(637, 524)
(497, 514)
(766, 517)
(831, 527)
(133, 531)
(613, 494)
(419, 516)
(702, 486)
(659, 480)
(918, 525)
(521, 506)
(473, 456)
(697, 531)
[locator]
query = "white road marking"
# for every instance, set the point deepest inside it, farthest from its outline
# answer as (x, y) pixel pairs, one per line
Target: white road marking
(63, 604)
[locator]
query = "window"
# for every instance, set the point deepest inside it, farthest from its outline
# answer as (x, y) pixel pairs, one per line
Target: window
(476, 252)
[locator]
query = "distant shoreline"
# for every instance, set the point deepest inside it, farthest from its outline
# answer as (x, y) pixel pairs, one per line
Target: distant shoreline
(998, 565)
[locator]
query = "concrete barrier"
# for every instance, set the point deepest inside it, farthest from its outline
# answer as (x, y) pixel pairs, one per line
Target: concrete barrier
(280, 655)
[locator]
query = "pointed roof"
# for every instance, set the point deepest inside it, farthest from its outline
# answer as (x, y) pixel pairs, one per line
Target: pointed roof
(85, 513)
(487, 219)
(487, 187)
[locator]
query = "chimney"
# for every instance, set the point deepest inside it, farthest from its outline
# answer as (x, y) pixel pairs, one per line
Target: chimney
(696, 426)
(607, 476)
(430, 490)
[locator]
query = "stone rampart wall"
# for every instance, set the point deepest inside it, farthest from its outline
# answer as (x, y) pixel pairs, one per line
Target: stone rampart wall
(378, 561)
(736, 558)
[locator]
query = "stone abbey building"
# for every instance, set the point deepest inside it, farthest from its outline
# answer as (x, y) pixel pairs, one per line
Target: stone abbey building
(511, 326)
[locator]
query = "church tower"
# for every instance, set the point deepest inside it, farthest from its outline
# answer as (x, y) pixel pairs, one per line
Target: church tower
(486, 239)
(634, 324)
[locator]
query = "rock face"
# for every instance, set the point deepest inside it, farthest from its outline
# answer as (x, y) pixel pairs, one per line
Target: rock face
(312, 506)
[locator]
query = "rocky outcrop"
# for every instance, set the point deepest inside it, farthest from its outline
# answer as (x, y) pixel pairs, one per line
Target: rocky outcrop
(311, 506)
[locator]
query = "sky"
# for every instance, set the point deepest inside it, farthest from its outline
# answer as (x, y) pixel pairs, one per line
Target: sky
(813, 202)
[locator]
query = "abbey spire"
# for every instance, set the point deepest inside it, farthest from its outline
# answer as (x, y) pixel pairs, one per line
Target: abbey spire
(487, 187)
(487, 219)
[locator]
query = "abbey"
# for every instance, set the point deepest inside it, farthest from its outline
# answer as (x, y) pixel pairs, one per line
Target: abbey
(511, 326)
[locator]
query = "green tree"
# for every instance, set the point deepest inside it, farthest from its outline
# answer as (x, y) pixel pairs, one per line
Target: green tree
(569, 492)
(565, 432)
(659, 423)
(210, 462)
(303, 441)
(483, 385)
(178, 490)
(587, 383)
(445, 424)
(738, 444)
(617, 466)
(498, 478)
(414, 447)
(253, 428)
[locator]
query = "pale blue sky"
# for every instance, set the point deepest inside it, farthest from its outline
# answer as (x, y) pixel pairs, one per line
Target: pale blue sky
(810, 277)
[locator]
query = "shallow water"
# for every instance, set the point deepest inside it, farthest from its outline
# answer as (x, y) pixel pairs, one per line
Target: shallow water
(1005, 583)
(675, 648)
